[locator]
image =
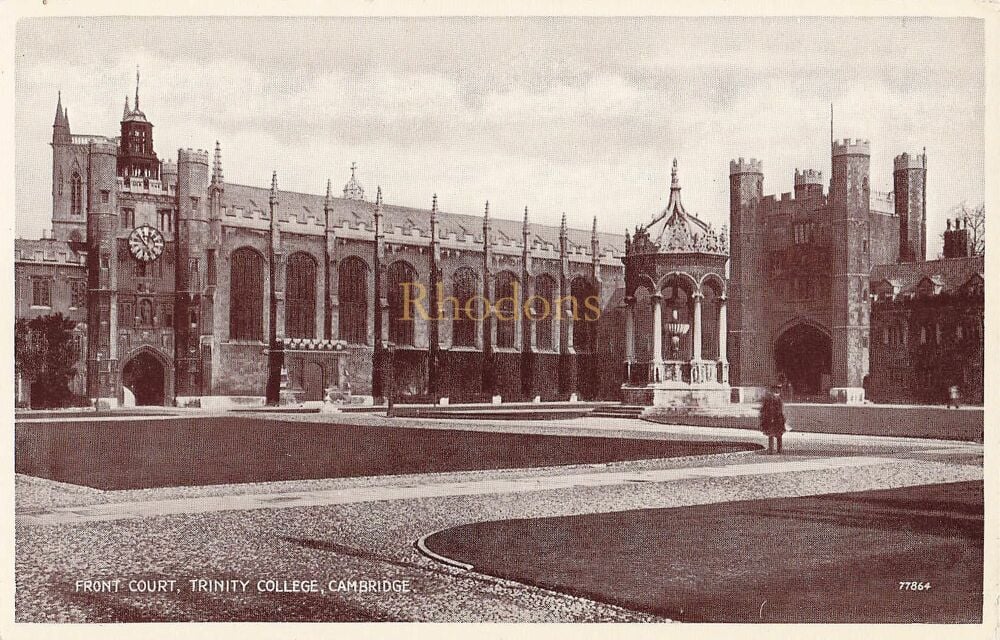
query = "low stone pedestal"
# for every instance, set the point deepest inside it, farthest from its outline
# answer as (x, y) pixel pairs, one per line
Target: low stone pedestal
(676, 395)
(848, 395)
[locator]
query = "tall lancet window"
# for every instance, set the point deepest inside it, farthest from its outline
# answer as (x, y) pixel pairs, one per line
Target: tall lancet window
(464, 288)
(76, 194)
(544, 309)
(506, 308)
(352, 297)
(400, 275)
(246, 295)
(300, 309)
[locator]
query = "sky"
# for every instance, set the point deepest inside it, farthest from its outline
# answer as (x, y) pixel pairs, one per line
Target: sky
(574, 115)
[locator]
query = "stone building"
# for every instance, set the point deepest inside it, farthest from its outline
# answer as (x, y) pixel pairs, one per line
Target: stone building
(801, 267)
(203, 292)
(198, 291)
(927, 325)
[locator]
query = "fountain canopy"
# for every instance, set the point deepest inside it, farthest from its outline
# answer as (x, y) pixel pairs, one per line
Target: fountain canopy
(675, 287)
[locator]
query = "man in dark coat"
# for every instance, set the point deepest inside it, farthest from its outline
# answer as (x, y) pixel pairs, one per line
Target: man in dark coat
(772, 418)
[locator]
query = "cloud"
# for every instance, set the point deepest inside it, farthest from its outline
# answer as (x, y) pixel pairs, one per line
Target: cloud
(579, 115)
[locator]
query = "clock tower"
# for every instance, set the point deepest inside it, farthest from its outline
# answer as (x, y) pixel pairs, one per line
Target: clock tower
(136, 157)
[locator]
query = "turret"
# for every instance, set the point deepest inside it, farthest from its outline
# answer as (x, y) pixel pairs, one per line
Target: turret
(353, 190)
(746, 325)
(808, 184)
(910, 184)
(102, 273)
(850, 222)
(190, 268)
(168, 173)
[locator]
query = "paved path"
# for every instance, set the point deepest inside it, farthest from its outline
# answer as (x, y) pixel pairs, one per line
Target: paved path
(126, 510)
(366, 527)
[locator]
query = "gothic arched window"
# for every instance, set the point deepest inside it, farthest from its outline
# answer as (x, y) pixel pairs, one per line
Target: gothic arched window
(399, 275)
(76, 194)
(544, 312)
(506, 308)
(246, 295)
(352, 295)
(584, 324)
(464, 287)
(300, 300)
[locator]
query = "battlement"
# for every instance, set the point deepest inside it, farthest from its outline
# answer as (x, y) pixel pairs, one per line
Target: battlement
(85, 140)
(849, 146)
(906, 161)
(753, 165)
(808, 176)
(104, 147)
(194, 156)
(785, 203)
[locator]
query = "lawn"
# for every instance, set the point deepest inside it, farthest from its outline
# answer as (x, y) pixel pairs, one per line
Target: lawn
(139, 454)
(830, 558)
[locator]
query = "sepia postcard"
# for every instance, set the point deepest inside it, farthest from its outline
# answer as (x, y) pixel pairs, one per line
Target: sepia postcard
(594, 315)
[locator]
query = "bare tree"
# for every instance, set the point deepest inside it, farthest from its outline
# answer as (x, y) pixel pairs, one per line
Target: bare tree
(975, 219)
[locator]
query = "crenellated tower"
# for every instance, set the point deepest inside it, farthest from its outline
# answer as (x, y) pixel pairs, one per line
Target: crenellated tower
(102, 275)
(190, 266)
(850, 220)
(909, 177)
(747, 320)
(808, 184)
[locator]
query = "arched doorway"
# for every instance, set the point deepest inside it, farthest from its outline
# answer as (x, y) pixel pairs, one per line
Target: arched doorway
(802, 355)
(312, 381)
(144, 375)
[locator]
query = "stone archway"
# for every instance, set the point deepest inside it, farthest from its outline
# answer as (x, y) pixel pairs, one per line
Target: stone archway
(147, 378)
(802, 355)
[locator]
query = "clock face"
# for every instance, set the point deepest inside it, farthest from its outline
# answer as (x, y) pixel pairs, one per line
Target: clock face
(146, 243)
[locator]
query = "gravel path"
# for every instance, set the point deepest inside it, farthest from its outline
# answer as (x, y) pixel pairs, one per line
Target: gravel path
(374, 540)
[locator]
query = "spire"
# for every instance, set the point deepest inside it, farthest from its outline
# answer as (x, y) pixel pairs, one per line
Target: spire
(137, 87)
(59, 109)
(486, 216)
(216, 165)
(378, 211)
(273, 199)
(434, 209)
(60, 128)
(127, 110)
(329, 193)
(595, 244)
(60, 114)
(674, 206)
(562, 226)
